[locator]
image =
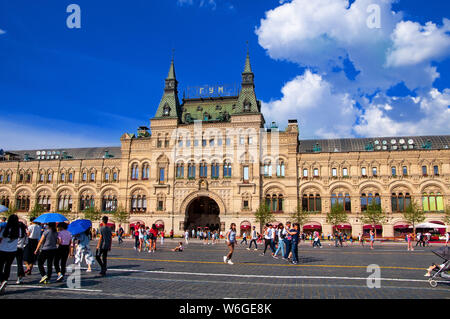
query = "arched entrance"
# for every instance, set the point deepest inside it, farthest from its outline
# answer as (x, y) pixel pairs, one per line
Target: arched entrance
(202, 212)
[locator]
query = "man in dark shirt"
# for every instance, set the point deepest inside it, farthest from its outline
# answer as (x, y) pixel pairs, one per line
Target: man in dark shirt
(103, 245)
(295, 233)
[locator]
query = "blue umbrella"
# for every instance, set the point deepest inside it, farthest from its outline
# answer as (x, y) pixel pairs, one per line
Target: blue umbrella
(50, 218)
(3, 209)
(78, 226)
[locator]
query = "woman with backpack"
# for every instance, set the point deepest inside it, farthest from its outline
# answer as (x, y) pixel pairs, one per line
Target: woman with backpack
(10, 232)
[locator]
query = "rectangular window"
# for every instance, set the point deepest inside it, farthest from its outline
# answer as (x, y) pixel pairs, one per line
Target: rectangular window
(161, 174)
(334, 172)
(436, 170)
(241, 140)
(219, 142)
(195, 142)
(394, 171)
(227, 141)
(424, 170)
(246, 177)
(160, 205)
(188, 143)
(203, 142)
(363, 171)
(305, 172)
(405, 170)
(211, 142)
(180, 143)
(250, 140)
(374, 171)
(316, 172)
(344, 172)
(245, 204)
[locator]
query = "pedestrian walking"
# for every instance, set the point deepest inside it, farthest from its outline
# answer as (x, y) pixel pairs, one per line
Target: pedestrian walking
(281, 234)
(34, 233)
(48, 245)
(244, 238)
(120, 233)
(141, 237)
(153, 237)
(316, 240)
(372, 238)
(295, 239)
(103, 245)
(267, 238)
(186, 237)
(171, 234)
(361, 239)
(409, 238)
(136, 235)
(161, 234)
(62, 253)
(287, 241)
(254, 237)
(10, 232)
(21, 244)
(83, 250)
(231, 241)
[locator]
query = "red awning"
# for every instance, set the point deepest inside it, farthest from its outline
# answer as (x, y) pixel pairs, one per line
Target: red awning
(372, 226)
(245, 226)
(134, 224)
(312, 226)
(401, 226)
(343, 226)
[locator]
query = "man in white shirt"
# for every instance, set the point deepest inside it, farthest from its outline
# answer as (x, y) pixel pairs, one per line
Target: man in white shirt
(254, 237)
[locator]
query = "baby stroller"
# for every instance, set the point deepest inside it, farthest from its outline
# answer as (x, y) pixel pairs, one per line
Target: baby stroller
(444, 253)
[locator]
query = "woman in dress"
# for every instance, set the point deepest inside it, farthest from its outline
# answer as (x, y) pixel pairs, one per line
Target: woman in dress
(231, 241)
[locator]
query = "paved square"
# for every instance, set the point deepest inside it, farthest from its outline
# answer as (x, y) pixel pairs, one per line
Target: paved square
(199, 272)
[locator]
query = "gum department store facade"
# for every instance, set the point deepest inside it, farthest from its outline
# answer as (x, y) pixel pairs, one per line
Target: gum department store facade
(210, 161)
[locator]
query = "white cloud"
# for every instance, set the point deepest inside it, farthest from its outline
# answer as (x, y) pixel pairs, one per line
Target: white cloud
(434, 117)
(322, 33)
(2, 31)
(310, 99)
(414, 44)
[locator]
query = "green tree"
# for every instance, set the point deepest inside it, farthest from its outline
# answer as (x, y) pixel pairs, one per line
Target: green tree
(120, 215)
(373, 215)
(92, 214)
(414, 215)
(37, 211)
(263, 215)
(337, 215)
(300, 216)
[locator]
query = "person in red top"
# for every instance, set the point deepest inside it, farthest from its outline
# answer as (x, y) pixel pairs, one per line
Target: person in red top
(161, 233)
(171, 234)
(136, 235)
(153, 237)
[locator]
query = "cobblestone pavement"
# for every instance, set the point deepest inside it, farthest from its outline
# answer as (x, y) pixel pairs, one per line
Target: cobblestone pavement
(199, 272)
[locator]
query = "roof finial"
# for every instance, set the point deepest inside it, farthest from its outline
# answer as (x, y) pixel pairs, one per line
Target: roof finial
(173, 53)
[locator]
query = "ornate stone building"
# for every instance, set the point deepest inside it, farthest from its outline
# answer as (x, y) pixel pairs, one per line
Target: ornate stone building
(209, 161)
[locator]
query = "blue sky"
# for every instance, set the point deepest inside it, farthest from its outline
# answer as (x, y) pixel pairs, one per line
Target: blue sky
(62, 87)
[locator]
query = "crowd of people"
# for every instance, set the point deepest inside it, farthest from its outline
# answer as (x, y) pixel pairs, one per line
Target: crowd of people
(49, 244)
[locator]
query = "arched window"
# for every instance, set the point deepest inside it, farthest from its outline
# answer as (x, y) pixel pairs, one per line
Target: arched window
(23, 202)
(280, 169)
(275, 202)
(138, 203)
(4, 200)
(109, 203)
(226, 169)
(65, 202)
(87, 200)
(145, 171)
(134, 172)
(400, 201)
(215, 170)
(432, 202)
(180, 170)
(342, 199)
(267, 168)
(368, 199)
(44, 201)
(311, 202)
(191, 170)
(203, 169)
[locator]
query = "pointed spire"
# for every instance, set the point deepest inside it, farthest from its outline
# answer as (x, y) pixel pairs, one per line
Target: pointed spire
(171, 75)
(247, 68)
